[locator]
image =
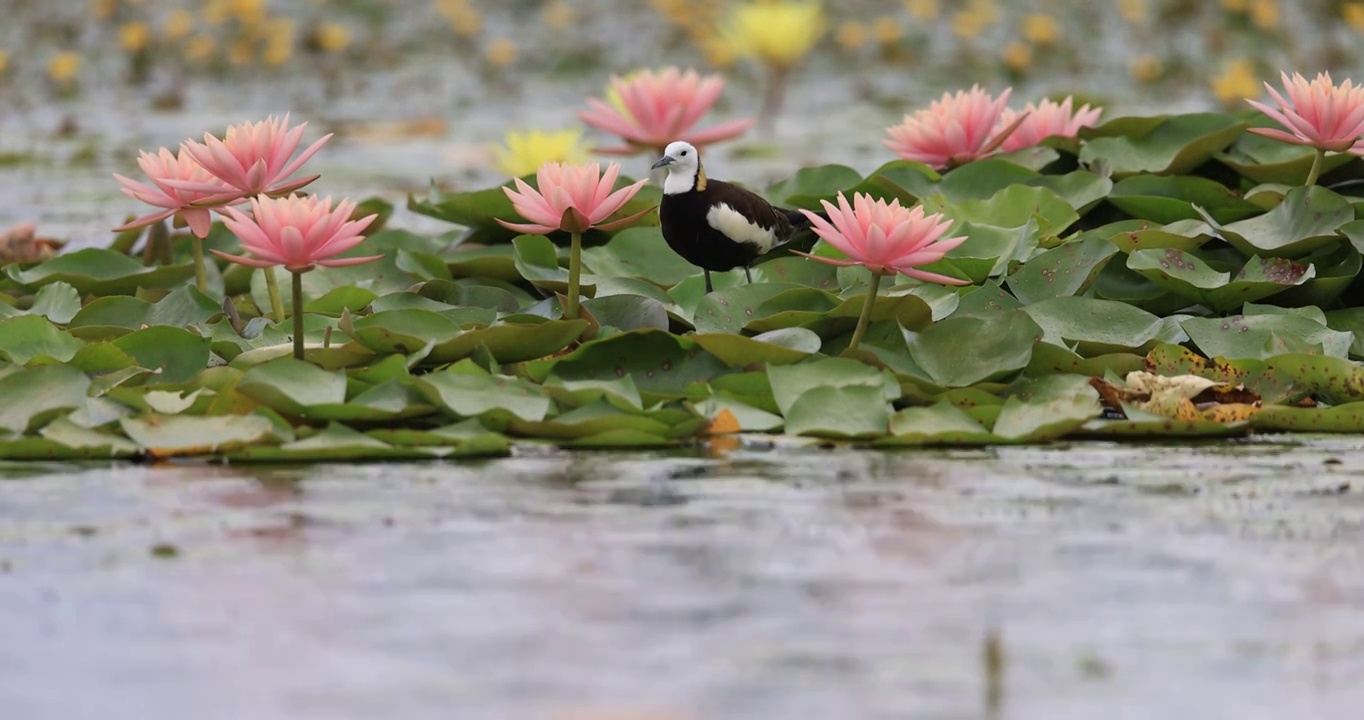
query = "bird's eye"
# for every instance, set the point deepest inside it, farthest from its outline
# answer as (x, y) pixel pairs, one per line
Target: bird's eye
(683, 153)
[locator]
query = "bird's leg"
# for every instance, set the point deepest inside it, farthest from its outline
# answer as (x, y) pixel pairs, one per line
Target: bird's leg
(748, 275)
(709, 287)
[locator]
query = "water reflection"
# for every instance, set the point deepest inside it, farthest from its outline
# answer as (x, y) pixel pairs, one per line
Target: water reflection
(803, 584)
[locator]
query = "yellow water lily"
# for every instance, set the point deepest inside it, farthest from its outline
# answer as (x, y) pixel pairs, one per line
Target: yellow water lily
(524, 151)
(778, 33)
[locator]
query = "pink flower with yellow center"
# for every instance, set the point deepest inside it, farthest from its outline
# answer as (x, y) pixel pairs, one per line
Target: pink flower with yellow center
(252, 159)
(573, 198)
(650, 109)
(1048, 118)
(296, 232)
(1318, 113)
(163, 169)
(885, 237)
(953, 130)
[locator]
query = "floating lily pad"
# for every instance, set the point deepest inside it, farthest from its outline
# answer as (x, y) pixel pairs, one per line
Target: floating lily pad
(182, 307)
(810, 185)
(176, 355)
(1264, 336)
(940, 424)
(469, 395)
(962, 351)
(1097, 327)
(497, 263)
(1165, 145)
(638, 252)
(1167, 199)
(1132, 235)
(1189, 277)
(180, 435)
(34, 396)
(1015, 206)
(25, 338)
(95, 271)
(728, 310)
(628, 312)
(662, 365)
(1061, 271)
(1347, 418)
(839, 411)
(1265, 160)
(779, 347)
(1306, 220)
(334, 443)
(790, 382)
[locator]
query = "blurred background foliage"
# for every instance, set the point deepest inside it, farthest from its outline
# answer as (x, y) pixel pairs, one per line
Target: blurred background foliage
(423, 89)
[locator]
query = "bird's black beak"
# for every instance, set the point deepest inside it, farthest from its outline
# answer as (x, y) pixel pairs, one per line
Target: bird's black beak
(664, 161)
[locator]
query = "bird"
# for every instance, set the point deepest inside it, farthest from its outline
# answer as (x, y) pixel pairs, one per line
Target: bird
(716, 225)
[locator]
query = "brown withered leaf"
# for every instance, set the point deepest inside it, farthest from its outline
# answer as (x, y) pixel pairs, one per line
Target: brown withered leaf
(1183, 397)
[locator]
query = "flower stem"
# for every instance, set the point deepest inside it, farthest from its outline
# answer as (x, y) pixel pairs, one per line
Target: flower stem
(276, 304)
(773, 97)
(575, 262)
(1315, 172)
(298, 313)
(864, 319)
(200, 277)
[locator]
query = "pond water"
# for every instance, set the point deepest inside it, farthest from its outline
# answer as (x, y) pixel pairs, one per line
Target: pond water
(1167, 581)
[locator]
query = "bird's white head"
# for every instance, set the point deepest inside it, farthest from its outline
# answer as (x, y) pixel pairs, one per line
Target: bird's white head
(684, 168)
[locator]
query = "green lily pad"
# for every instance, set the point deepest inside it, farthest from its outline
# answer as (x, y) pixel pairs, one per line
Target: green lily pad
(1132, 235)
(33, 396)
(662, 365)
(638, 252)
(628, 312)
(340, 299)
(24, 338)
(95, 271)
(1049, 359)
(939, 424)
(537, 260)
(497, 263)
(468, 395)
(1265, 160)
(182, 307)
(1264, 336)
(789, 383)
(1350, 320)
(728, 310)
(175, 354)
(1189, 277)
(1335, 267)
(1168, 199)
(90, 443)
(1098, 327)
(181, 435)
(1047, 408)
(962, 351)
(779, 347)
(591, 419)
(1015, 206)
(57, 302)
(510, 342)
(1331, 379)
(291, 386)
(1165, 145)
(1061, 271)
(844, 411)
(1347, 418)
(810, 185)
(334, 443)
(1306, 220)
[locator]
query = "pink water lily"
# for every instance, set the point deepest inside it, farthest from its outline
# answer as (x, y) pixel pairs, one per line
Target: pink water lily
(296, 232)
(650, 109)
(1048, 118)
(252, 159)
(163, 169)
(1318, 113)
(573, 198)
(885, 237)
(953, 130)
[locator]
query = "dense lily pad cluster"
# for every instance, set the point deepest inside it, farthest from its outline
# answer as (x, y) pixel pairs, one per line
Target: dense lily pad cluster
(1180, 247)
